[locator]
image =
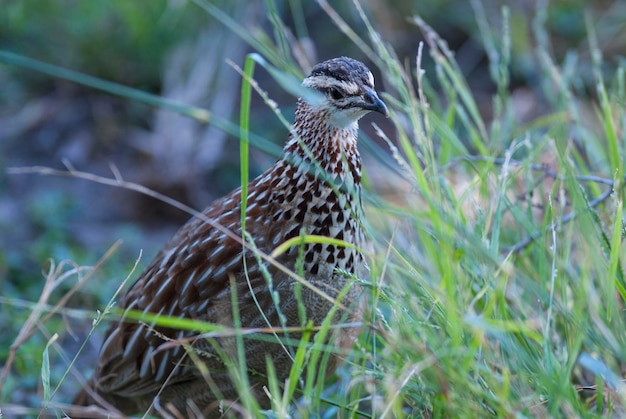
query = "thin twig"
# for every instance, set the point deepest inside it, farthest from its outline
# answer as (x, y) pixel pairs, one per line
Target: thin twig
(566, 219)
(54, 278)
(547, 172)
(533, 166)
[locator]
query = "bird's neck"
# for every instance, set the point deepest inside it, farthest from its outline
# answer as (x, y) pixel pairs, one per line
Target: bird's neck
(315, 143)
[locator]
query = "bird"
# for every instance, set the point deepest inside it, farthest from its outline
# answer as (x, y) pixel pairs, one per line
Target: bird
(206, 273)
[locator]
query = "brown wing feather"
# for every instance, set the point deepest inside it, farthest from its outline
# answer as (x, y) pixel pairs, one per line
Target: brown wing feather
(188, 278)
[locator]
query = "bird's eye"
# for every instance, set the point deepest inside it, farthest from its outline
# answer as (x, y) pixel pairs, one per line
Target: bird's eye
(336, 93)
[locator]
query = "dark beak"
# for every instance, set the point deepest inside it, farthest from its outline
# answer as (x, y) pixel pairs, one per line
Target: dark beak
(372, 102)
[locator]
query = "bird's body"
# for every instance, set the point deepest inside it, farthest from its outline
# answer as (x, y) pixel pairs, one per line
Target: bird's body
(313, 189)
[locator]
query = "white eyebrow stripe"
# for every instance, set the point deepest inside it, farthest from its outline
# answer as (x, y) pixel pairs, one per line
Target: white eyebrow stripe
(326, 82)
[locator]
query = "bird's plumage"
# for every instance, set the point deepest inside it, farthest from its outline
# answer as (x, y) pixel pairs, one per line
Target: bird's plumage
(313, 189)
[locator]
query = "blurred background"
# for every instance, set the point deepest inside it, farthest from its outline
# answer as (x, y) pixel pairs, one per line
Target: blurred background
(181, 50)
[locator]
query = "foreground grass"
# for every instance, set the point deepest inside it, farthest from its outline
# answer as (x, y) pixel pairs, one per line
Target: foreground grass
(496, 283)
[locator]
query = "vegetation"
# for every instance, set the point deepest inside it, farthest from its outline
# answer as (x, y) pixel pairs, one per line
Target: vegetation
(494, 203)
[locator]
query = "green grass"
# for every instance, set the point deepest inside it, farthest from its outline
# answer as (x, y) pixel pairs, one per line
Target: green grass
(497, 285)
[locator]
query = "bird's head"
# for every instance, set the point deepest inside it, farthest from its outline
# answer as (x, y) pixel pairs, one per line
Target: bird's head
(347, 91)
